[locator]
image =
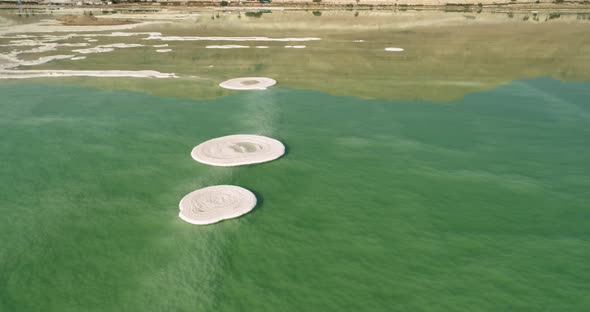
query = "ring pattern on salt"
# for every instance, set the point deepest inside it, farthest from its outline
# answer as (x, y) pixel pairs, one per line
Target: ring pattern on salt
(248, 83)
(236, 150)
(216, 203)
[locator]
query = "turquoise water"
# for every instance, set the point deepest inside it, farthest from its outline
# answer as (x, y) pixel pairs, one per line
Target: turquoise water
(379, 205)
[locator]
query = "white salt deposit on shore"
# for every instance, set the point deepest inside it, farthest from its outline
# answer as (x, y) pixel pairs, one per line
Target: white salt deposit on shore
(394, 49)
(52, 26)
(107, 48)
(24, 74)
(164, 50)
(94, 50)
(227, 46)
(248, 83)
(236, 150)
(122, 45)
(160, 45)
(295, 46)
(45, 59)
(77, 58)
(216, 203)
(261, 47)
(178, 38)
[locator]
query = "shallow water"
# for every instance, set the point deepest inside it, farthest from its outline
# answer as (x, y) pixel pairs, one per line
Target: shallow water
(404, 194)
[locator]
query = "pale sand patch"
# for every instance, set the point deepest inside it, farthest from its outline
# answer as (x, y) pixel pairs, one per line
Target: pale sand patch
(164, 50)
(77, 58)
(248, 83)
(228, 46)
(394, 49)
(295, 46)
(359, 40)
(236, 150)
(261, 47)
(216, 203)
(178, 38)
(160, 45)
(24, 74)
(92, 40)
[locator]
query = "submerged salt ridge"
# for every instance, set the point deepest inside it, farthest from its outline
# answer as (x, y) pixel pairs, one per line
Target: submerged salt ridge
(24, 74)
(157, 36)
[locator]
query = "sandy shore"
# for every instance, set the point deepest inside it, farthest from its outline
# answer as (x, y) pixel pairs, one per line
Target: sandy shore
(176, 10)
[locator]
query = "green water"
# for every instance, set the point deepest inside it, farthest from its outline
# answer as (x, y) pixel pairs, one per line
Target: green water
(480, 204)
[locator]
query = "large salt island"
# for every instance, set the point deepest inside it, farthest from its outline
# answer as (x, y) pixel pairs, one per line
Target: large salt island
(239, 149)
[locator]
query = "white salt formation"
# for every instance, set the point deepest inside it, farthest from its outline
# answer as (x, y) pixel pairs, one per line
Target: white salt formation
(163, 50)
(158, 36)
(240, 149)
(394, 49)
(248, 83)
(227, 46)
(24, 74)
(216, 203)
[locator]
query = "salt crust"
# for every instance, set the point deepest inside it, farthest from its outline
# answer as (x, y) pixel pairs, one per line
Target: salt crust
(242, 83)
(216, 203)
(228, 46)
(23, 74)
(239, 149)
(157, 36)
(394, 49)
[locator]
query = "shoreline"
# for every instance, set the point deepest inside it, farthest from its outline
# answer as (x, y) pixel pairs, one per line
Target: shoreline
(385, 5)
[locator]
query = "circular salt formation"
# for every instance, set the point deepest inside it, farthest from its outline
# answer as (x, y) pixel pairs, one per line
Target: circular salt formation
(216, 203)
(240, 149)
(248, 83)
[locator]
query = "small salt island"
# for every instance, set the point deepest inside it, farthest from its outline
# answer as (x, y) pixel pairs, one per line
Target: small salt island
(216, 203)
(239, 149)
(248, 83)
